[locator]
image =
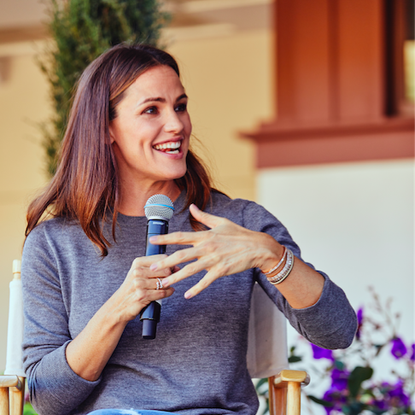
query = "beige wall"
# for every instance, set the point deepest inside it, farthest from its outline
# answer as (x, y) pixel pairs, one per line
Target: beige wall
(227, 80)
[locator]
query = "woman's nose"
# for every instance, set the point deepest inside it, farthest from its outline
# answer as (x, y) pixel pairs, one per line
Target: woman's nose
(173, 123)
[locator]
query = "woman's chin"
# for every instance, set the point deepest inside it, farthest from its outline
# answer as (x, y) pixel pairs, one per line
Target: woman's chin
(175, 174)
(180, 174)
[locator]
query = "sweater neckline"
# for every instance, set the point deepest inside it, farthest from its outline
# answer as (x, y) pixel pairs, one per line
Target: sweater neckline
(178, 206)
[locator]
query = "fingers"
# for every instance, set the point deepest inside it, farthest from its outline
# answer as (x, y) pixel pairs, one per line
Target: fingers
(141, 266)
(148, 282)
(196, 289)
(140, 287)
(178, 257)
(185, 272)
(158, 292)
(225, 249)
(177, 238)
(143, 299)
(190, 238)
(207, 219)
(155, 295)
(146, 261)
(215, 271)
(201, 285)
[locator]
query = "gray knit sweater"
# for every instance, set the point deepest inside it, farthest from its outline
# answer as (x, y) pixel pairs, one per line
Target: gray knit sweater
(197, 363)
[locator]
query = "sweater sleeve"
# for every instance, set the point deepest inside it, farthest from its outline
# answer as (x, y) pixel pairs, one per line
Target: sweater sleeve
(331, 322)
(54, 388)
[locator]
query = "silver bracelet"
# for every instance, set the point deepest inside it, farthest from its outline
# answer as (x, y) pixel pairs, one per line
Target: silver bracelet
(278, 265)
(285, 272)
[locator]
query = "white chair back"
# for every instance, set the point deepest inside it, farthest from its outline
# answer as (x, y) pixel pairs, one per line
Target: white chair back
(267, 338)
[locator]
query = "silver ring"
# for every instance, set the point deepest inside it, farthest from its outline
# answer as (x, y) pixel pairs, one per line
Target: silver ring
(159, 284)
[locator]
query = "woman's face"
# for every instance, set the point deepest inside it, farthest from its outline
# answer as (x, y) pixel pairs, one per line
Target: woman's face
(150, 134)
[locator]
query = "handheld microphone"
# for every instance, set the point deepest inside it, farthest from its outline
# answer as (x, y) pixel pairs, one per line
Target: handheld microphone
(158, 210)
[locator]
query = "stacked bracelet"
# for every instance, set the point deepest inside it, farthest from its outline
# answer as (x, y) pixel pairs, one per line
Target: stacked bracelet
(272, 270)
(285, 272)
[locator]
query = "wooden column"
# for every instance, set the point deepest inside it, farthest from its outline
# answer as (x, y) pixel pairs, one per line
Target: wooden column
(335, 88)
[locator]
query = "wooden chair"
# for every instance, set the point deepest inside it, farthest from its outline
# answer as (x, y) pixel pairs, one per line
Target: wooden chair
(267, 354)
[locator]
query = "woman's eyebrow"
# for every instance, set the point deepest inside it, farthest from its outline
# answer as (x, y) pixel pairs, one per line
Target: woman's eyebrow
(182, 97)
(151, 99)
(159, 99)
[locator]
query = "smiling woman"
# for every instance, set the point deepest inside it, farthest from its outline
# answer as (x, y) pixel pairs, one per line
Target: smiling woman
(127, 139)
(88, 164)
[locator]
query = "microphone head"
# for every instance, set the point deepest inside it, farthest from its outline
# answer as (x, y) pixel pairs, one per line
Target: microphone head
(159, 207)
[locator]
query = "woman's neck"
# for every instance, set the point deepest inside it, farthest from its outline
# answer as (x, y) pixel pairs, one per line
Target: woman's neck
(133, 198)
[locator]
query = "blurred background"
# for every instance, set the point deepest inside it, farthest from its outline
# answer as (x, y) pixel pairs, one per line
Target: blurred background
(306, 107)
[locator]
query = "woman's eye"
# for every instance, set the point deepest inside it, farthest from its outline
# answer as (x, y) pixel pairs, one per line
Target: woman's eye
(181, 107)
(150, 110)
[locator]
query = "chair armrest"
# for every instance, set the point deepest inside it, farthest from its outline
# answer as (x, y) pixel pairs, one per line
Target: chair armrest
(285, 376)
(285, 392)
(11, 381)
(12, 389)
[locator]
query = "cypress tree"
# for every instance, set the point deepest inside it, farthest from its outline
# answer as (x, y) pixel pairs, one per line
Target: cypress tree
(81, 31)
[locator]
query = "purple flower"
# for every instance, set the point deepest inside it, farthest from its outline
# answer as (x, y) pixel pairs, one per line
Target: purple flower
(320, 353)
(339, 379)
(394, 396)
(359, 315)
(413, 352)
(336, 399)
(379, 404)
(398, 348)
(398, 395)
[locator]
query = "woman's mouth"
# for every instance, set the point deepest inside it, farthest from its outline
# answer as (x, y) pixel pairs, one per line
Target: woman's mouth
(173, 147)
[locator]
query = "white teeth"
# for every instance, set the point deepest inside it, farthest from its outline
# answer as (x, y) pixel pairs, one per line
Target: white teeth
(172, 145)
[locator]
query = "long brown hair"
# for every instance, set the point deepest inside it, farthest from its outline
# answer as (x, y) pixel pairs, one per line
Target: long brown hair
(86, 184)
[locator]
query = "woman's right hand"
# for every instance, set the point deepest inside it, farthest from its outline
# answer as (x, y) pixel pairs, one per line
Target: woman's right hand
(140, 287)
(91, 349)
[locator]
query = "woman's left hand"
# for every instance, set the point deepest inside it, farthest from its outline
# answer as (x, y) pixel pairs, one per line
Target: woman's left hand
(225, 249)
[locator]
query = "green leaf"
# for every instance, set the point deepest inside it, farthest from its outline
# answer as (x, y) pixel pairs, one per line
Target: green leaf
(358, 375)
(339, 364)
(322, 402)
(294, 359)
(354, 408)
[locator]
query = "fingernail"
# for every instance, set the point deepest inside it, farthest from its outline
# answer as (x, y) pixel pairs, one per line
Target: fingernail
(188, 295)
(195, 206)
(153, 267)
(153, 239)
(165, 282)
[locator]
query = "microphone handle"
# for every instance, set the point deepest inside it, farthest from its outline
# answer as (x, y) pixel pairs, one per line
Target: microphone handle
(150, 315)
(156, 227)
